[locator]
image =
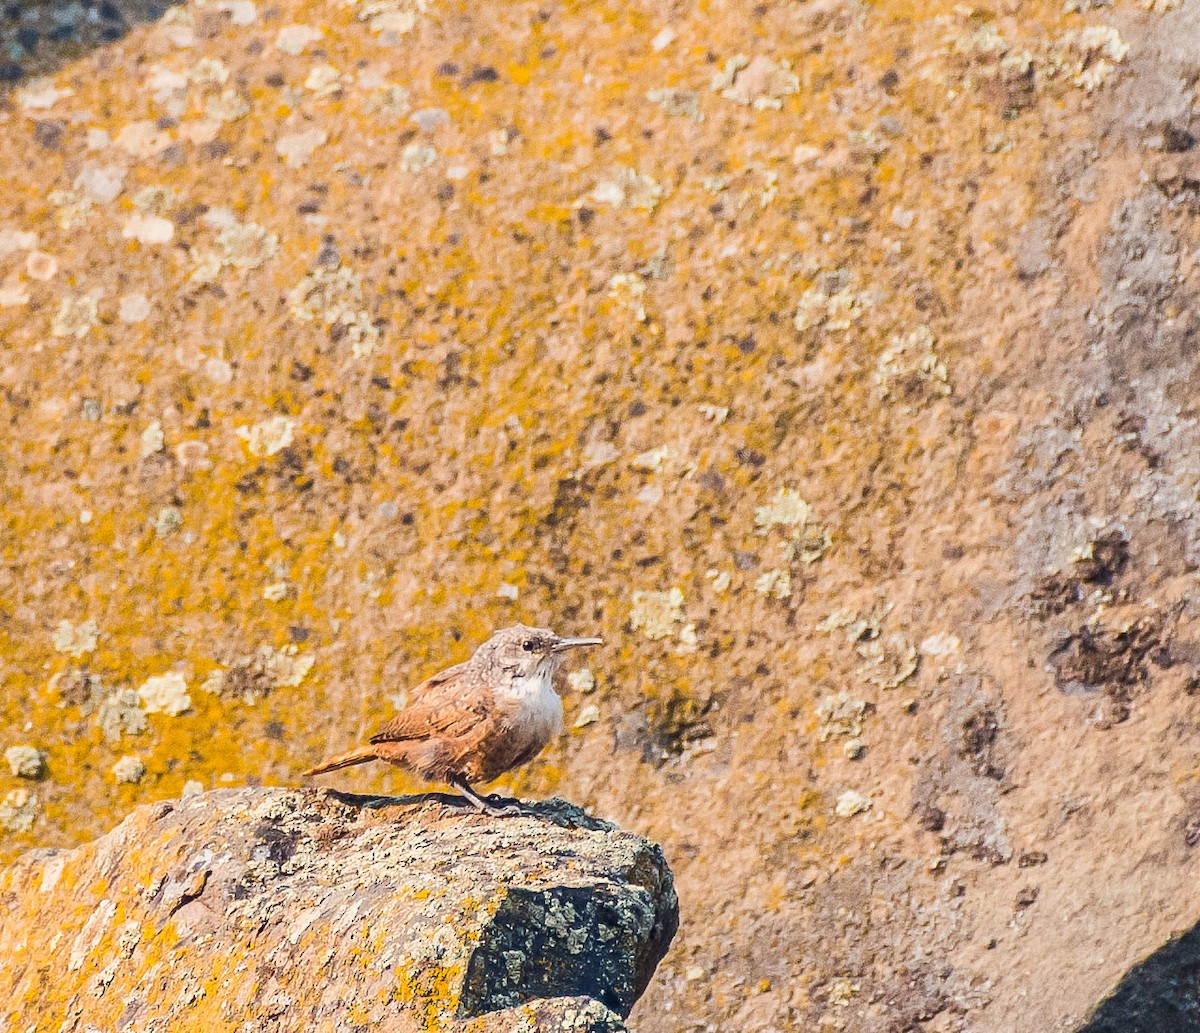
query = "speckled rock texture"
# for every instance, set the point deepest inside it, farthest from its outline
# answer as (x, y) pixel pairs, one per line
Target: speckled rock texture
(834, 360)
(272, 909)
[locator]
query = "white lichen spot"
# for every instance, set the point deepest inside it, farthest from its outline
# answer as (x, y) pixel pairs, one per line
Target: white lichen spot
(193, 455)
(25, 761)
(775, 583)
(1088, 55)
(19, 810)
(508, 591)
(853, 749)
(652, 460)
(40, 266)
(582, 680)
(840, 715)
(238, 246)
(677, 102)
(74, 208)
(277, 591)
(152, 440)
(719, 579)
(761, 82)
(209, 71)
(76, 315)
(386, 101)
(76, 639)
(120, 713)
(241, 12)
(293, 39)
(417, 156)
(102, 184)
(656, 614)
(166, 694)
(133, 308)
(628, 290)
(888, 660)
(296, 148)
(12, 241)
(130, 769)
(286, 666)
(226, 106)
(851, 803)
(940, 644)
(663, 39)
(395, 17)
(589, 715)
(13, 292)
(631, 189)
(148, 229)
(268, 437)
(787, 509)
(143, 139)
(41, 95)
(910, 366)
(168, 521)
(717, 414)
(323, 80)
(598, 453)
(832, 306)
(334, 297)
(840, 992)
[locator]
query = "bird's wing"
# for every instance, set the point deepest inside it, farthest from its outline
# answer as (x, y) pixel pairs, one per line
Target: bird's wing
(435, 679)
(441, 710)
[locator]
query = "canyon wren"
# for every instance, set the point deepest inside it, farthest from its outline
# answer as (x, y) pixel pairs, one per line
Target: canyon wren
(476, 720)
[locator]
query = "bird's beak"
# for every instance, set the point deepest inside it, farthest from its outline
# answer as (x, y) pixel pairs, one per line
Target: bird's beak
(567, 643)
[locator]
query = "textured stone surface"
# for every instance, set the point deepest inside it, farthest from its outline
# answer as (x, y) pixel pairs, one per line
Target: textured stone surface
(833, 360)
(283, 910)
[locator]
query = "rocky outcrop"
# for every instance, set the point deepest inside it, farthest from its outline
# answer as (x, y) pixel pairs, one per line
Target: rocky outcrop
(277, 909)
(1161, 992)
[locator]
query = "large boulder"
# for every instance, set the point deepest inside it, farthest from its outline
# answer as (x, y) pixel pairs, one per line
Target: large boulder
(275, 909)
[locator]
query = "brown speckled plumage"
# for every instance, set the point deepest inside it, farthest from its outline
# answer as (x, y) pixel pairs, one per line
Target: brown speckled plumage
(476, 720)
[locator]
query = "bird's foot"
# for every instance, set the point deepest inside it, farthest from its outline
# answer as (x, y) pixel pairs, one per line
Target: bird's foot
(494, 806)
(510, 810)
(499, 800)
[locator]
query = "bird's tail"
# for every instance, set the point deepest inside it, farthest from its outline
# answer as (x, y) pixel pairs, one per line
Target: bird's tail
(344, 760)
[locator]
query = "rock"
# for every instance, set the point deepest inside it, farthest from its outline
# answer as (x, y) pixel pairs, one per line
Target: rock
(278, 909)
(1160, 992)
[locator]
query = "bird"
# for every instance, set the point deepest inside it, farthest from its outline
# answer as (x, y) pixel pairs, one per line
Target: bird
(472, 722)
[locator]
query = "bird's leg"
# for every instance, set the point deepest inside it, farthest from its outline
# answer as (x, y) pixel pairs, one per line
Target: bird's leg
(482, 805)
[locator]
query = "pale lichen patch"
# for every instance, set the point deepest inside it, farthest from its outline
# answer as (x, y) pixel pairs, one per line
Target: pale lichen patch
(130, 769)
(758, 82)
(333, 297)
(77, 314)
(629, 189)
(269, 437)
(657, 614)
(850, 803)
(165, 693)
(840, 715)
(120, 713)
(910, 366)
(76, 639)
(19, 810)
(25, 761)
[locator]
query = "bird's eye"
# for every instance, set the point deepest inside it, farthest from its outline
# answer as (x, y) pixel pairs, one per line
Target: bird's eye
(528, 645)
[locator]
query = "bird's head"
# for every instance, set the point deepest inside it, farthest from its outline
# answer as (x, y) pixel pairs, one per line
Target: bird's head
(527, 652)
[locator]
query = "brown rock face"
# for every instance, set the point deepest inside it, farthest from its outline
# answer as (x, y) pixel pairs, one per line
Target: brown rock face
(279, 910)
(835, 361)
